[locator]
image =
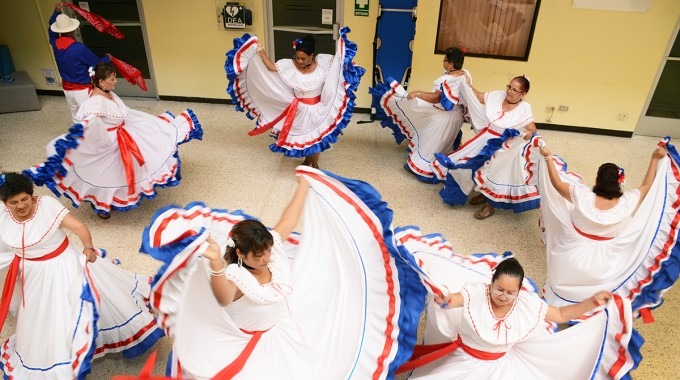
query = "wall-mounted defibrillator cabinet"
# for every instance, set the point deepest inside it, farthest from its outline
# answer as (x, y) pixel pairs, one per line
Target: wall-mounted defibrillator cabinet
(234, 15)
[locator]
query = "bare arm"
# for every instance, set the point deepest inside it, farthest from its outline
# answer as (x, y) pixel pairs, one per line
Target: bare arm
(659, 153)
(265, 58)
(291, 215)
(531, 128)
(79, 228)
(567, 313)
(225, 291)
(561, 187)
(430, 97)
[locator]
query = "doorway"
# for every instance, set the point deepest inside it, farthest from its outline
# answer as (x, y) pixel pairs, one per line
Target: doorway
(661, 114)
(127, 16)
(291, 19)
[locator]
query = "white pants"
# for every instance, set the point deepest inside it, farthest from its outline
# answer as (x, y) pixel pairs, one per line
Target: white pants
(74, 99)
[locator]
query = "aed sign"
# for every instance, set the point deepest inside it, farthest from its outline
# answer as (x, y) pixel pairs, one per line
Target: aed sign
(234, 16)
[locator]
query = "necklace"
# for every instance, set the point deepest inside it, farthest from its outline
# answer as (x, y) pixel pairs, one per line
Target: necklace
(509, 102)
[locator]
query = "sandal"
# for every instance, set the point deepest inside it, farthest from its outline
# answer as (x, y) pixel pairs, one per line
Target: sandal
(478, 200)
(485, 212)
(102, 214)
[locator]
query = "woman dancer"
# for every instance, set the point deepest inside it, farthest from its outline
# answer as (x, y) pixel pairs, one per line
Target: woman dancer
(493, 161)
(69, 307)
(430, 120)
(606, 238)
(115, 156)
(306, 101)
(322, 305)
(485, 321)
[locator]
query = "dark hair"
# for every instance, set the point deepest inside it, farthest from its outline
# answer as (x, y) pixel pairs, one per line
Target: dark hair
(306, 44)
(15, 184)
(455, 56)
(102, 71)
(249, 236)
(510, 267)
(524, 82)
(607, 182)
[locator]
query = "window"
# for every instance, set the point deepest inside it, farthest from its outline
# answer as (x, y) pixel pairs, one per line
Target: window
(488, 28)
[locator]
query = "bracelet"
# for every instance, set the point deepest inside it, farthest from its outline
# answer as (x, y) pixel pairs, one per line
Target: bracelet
(547, 158)
(217, 273)
(594, 301)
(86, 248)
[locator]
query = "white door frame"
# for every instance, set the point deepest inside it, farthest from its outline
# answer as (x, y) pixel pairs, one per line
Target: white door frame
(659, 126)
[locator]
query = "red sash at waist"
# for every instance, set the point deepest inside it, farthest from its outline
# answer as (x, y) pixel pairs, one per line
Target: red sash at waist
(589, 236)
(128, 149)
(236, 366)
(12, 274)
(71, 86)
(425, 354)
(289, 114)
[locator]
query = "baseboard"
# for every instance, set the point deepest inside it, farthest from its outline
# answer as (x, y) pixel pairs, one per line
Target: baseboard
(50, 92)
(363, 110)
(586, 130)
(194, 100)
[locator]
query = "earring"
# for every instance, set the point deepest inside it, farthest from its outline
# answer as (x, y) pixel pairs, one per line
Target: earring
(240, 261)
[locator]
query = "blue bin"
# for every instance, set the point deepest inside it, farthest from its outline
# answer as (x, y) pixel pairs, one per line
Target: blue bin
(6, 65)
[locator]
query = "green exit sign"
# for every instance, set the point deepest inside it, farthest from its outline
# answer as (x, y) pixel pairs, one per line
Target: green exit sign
(361, 8)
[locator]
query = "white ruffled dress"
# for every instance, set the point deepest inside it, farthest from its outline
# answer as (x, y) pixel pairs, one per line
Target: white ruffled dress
(336, 306)
(630, 249)
(430, 128)
(68, 311)
(305, 112)
(115, 156)
(470, 342)
(496, 162)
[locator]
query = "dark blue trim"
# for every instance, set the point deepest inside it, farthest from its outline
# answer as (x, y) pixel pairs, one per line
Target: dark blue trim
(378, 92)
(411, 291)
(44, 174)
(452, 193)
(167, 252)
(352, 75)
(144, 345)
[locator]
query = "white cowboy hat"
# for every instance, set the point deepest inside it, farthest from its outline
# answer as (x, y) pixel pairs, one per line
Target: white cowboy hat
(64, 24)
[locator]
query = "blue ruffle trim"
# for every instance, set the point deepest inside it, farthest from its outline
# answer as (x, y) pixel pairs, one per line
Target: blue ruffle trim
(352, 74)
(451, 193)
(378, 92)
(167, 253)
(144, 345)
(197, 132)
(670, 269)
(87, 297)
(446, 103)
(634, 349)
(411, 291)
(44, 174)
(232, 75)
(516, 207)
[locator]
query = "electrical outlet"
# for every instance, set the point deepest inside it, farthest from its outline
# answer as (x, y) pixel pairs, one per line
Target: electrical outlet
(624, 115)
(564, 108)
(549, 108)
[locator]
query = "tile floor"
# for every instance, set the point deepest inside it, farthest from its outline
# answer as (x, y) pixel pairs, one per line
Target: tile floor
(230, 170)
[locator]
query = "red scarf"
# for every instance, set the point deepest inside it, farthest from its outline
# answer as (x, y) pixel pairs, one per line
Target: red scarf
(130, 73)
(99, 22)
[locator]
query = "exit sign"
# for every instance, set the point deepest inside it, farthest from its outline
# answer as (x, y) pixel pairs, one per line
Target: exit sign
(361, 8)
